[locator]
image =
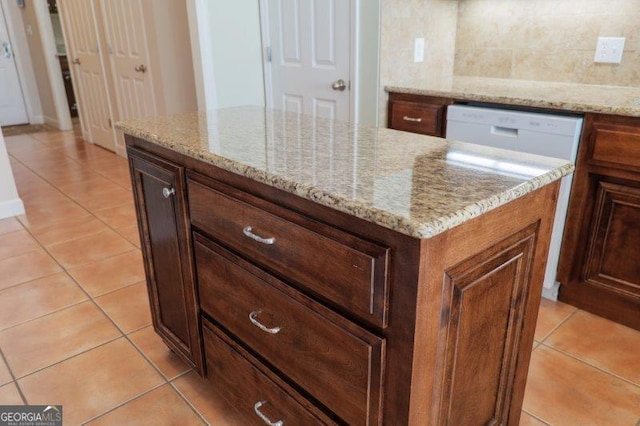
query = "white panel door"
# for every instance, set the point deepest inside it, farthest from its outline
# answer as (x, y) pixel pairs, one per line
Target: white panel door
(12, 106)
(125, 35)
(90, 81)
(310, 42)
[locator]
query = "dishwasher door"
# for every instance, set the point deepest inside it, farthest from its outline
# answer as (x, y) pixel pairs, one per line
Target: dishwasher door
(542, 134)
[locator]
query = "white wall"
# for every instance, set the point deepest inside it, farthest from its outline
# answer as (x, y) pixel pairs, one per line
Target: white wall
(237, 52)
(10, 202)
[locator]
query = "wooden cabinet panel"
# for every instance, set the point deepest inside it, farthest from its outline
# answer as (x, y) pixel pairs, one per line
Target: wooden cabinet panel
(294, 338)
(614, 253)
(483, 331)
(249, 390)
(158, 188)
(617, 146)
(358, 278)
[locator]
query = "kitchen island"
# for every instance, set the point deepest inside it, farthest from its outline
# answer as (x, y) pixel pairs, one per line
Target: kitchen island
(317, 272)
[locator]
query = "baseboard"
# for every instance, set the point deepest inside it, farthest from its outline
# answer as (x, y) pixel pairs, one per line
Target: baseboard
(51, 122)
(11, 208)
(36, 119)
(551, 293)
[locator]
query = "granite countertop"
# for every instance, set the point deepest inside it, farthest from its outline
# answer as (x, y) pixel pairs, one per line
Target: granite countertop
(616, 100)
(417, 185)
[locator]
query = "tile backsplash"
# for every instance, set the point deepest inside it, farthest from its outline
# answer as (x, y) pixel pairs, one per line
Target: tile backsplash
(546, 40)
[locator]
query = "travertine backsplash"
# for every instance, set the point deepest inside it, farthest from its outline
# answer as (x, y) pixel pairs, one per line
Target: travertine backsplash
(546, 40)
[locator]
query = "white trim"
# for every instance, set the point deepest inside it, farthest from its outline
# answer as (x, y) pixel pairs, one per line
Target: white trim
(11, 208)
(202, 52)
(265, 35)
(354, 55)
(51, 121)
(551, 293)
(15, 27)
(53, 66)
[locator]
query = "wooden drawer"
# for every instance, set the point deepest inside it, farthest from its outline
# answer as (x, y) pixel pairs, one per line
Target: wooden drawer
(338, 267)
(340, 367)
(416, 117)
(247, 389)
(617, 145)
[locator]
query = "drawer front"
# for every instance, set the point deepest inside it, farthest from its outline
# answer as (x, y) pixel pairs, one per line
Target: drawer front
(336, 266)
(246, 388)
(619, 145)
(340, 368)
(417, 118)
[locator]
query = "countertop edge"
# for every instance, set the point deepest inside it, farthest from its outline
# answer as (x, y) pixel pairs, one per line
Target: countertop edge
(420, 230)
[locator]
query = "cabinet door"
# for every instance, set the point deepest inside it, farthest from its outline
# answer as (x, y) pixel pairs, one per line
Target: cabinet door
(613, 260)
(159, 192)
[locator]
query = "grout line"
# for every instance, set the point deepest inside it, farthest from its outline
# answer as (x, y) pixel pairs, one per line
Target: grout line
(537, 418)
(560, 324)
(187, 400)
(594, 366)
(15, 382)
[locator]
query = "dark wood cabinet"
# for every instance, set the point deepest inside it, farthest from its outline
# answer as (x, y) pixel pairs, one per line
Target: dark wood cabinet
(418, 114)
(316, 316)
(600, 260)
(160, 198)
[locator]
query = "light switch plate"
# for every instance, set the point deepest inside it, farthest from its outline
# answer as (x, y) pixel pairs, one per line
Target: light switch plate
(609, 50)
(418, 50)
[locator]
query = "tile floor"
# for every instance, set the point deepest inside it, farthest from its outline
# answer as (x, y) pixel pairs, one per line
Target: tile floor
(75, 323)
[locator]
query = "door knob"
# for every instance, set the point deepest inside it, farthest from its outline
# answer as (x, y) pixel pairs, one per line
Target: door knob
(76, 61)
(141, 68)
(339, 85)
(6, 50)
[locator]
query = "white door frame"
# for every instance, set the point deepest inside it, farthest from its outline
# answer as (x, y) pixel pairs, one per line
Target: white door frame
(20, 47)
(54, 73)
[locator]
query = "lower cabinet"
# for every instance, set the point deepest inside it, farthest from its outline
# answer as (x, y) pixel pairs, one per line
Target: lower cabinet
(418, 114)
(600, 262)
(159, 194)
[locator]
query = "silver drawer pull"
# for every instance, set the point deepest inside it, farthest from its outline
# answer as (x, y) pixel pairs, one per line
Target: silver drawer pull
(253, 317)
(166, 192)
(264, 418)
(247, 231)
(415, 120)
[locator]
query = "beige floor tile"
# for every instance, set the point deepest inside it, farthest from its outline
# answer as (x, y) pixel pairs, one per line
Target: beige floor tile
(157, 351)
(564, 391)
(600, 342)
(88, 188)
(92, 383)
(550, 316)
(9, 395)
(9, 225)
(201, 394)
(117, 217)
(529, 420)
(26, 267)
(50, 339)
(127, 307)
(131, 233)
(5, 375)
(90, 249)
(161, 406)
(110, 274)
(42, 296)
(17, 243)
(116, 196)
(46, 215)
(68, 230)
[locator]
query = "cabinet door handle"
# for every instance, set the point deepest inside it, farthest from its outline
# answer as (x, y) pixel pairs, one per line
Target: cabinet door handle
(264, 418)
(415, 120)
(248, 232)
(253, 317)
(166, 192)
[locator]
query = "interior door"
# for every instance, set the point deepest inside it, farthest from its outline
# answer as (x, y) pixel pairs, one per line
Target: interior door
(310, 64)
(126, 40)
(78, 17)
(12, 106)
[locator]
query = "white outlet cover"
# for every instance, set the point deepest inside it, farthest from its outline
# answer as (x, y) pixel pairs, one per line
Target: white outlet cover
(418, 50)
(609, 50)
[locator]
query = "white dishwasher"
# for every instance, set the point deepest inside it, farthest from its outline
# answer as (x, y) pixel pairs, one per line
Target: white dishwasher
(536, 133)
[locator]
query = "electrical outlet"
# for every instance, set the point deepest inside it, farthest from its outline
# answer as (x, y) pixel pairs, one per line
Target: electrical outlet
(418, 50)
(609, 50)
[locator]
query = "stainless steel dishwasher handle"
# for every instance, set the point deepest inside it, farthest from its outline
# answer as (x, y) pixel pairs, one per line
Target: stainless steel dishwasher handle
(248, 231)
(415, 120)
(264, 418)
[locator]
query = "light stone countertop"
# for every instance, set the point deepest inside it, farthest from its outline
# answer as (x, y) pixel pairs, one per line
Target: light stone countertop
(571, 97)
(417, 185)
